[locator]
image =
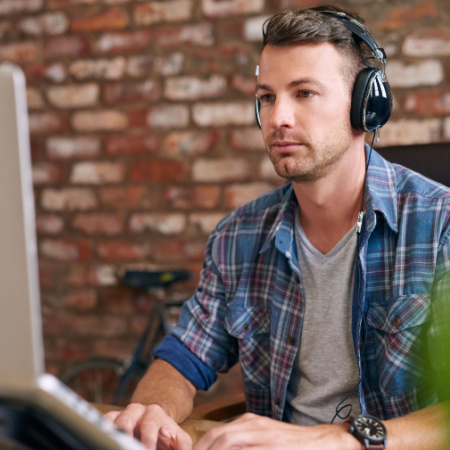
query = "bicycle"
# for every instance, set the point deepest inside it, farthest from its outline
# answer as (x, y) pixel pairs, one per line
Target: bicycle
(112, 381)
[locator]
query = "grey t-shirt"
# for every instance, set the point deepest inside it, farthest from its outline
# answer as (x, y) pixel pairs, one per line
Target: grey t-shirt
(325, 370)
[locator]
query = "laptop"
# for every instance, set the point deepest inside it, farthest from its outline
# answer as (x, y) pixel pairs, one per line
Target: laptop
(36, 410)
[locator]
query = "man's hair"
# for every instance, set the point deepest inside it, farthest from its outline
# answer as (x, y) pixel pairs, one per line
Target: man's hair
(310, 26)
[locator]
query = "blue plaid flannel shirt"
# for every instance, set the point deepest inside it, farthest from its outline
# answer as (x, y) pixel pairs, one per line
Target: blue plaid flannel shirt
(249, 304)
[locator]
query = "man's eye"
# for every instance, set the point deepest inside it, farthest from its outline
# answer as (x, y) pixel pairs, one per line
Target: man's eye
(305, 94)
(267, 98)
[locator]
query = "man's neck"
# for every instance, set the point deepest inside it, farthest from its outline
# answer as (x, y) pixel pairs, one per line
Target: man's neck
(329, 207)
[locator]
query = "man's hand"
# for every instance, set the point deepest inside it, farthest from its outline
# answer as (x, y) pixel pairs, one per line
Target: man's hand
(251, 430)
(152, 426)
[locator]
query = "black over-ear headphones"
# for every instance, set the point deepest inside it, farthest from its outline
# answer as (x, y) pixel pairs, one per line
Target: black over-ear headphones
(371, 98)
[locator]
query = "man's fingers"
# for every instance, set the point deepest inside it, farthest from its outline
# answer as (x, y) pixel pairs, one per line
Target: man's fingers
(128, 418)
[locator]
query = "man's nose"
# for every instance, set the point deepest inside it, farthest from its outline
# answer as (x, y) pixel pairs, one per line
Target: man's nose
(282, 114)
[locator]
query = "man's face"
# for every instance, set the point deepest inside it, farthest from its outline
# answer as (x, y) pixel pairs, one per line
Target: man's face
(305, 109)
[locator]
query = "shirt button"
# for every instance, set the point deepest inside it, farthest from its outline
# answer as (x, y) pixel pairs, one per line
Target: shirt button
(397, 321)
(245, 328)
(290, 340)
(277, 401)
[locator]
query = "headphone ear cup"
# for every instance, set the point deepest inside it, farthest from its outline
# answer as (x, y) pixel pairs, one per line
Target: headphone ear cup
(257, 108)
(371, 100)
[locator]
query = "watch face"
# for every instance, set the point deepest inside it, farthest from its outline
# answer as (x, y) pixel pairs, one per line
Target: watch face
(370, 427)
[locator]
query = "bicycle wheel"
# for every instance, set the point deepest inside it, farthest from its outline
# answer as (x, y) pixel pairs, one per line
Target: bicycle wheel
(97, 379)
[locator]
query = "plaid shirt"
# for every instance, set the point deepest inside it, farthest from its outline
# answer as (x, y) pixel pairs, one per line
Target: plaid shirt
(249, 304)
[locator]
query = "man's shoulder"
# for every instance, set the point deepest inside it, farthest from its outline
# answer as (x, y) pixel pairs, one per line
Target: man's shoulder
(411, 182)
(405, 181)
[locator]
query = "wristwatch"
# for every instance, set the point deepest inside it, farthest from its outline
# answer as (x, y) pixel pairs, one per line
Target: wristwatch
(369, 431)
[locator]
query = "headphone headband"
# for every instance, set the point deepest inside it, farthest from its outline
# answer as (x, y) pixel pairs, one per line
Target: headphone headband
(361, 31)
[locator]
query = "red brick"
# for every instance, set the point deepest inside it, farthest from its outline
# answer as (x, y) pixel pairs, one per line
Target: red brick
(226, 60)
(226, 8)
(37, 72)
(113, 18)
(434, 42)
(119, 300)
(104, 325)
(97, 172)
(222, 114)
(129, 197)
(191, 142)
(49, 224)
(124, 42)
(98, 223)
(168, 116)
(409, 131)
(68, 199)
(158, 171)
(192, 88)
(49, 23)
(135, 144)
(244, 85)
(50, 273)
(154, 12)
(427, 72)
(54, 323)
(176, 250)
(90, 275)
(108, 69)
(37, 146)
(174, 36)
(169, 223)
(47, 173)
(231, 169)
(73, 350)
(74, 96)
(34, 98)
(204, 222)
(403, 16)
(240, 194)
(6, 31)
(137, 117)
(429, 103)
(147, 91)
(72, 147)
(204, 196)
(47, 122)
(267, 172)
(19, 6)
(143, 65)
(66, 250)
(79, 300)
(20, 52)
(122, 251)
(106, 120)
(247, 139)
(67, 47)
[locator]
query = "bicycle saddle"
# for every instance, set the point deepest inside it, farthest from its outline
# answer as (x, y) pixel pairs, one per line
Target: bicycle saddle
(146, 279)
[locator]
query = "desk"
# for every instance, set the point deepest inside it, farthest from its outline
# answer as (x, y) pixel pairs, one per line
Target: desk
(196, 428)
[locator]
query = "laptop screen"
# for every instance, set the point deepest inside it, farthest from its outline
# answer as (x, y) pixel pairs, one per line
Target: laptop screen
(21, 346)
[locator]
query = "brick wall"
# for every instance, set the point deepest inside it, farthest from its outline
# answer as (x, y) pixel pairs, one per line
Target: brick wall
(143, 136)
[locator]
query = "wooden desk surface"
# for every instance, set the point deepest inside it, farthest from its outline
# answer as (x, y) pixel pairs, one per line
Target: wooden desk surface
(196, 428)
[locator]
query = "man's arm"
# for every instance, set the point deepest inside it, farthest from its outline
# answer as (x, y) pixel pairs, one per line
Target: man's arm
(162, 399)
(426, 429)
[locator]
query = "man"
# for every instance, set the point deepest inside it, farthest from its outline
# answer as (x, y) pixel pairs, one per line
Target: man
(325, 311)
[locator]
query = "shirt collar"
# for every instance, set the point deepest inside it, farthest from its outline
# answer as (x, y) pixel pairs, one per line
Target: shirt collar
(381, 192)
(381, 196)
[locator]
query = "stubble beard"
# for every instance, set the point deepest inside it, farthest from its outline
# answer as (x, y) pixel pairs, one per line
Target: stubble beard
(315, 162)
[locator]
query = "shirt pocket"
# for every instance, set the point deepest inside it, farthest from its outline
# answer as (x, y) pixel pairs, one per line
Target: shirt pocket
(250, 326)
(396, 340)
